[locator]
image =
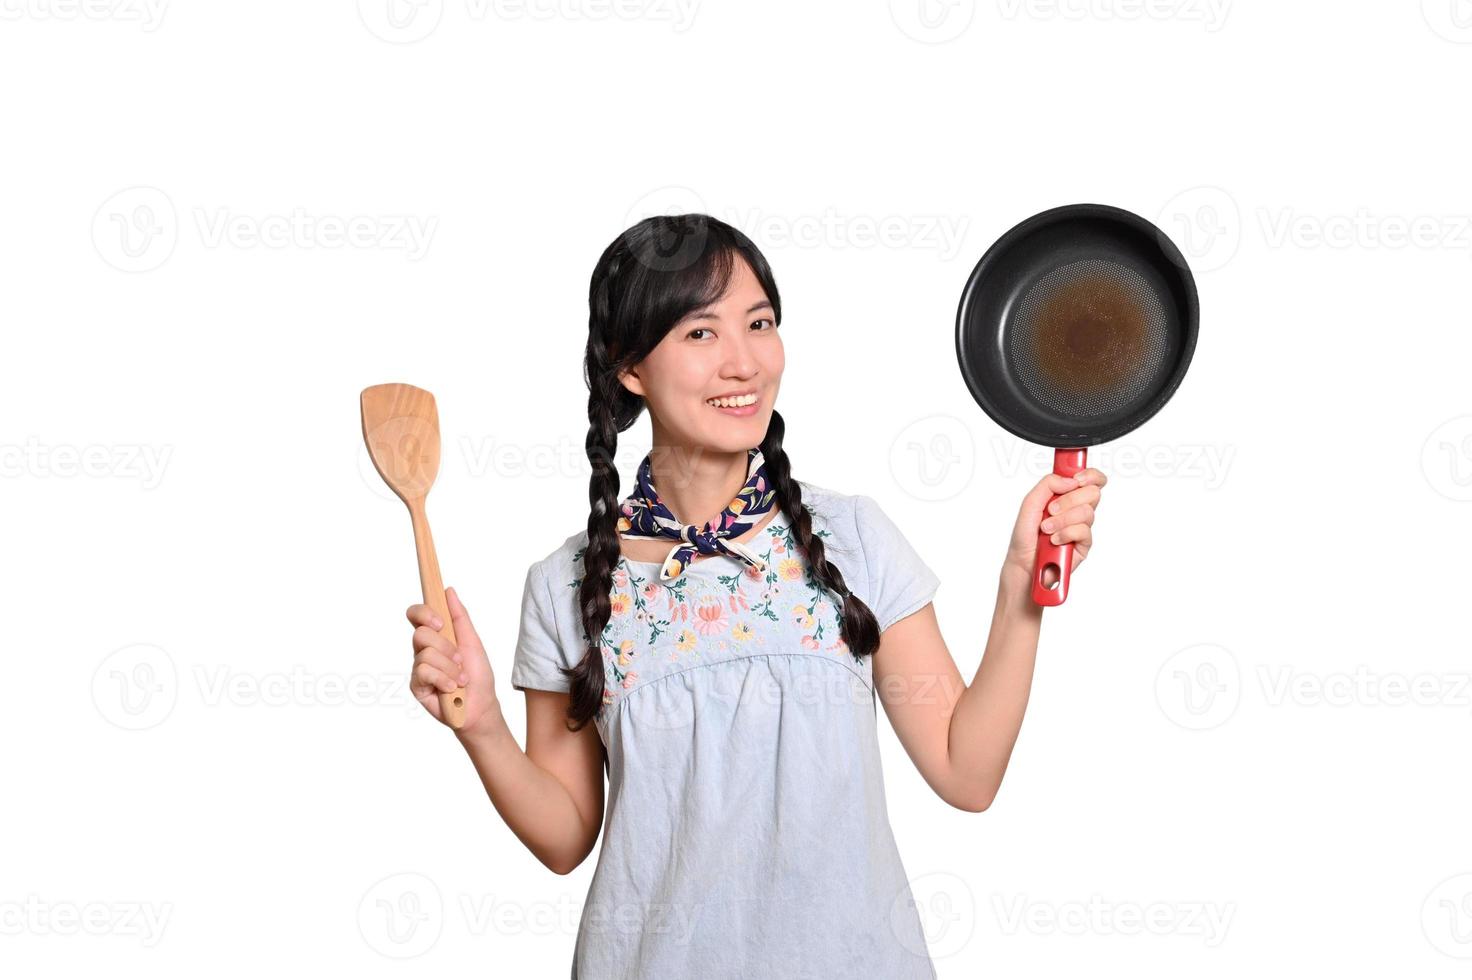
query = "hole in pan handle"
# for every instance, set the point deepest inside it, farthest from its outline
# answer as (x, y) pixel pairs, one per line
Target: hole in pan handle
(1057, 558)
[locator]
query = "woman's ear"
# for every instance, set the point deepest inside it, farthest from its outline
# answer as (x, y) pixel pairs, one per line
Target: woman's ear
(630, 380)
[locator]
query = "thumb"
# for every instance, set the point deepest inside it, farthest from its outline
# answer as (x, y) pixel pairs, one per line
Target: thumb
(459, 618)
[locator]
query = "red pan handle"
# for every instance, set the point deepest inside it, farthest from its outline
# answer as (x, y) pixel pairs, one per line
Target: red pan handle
(1066, 462)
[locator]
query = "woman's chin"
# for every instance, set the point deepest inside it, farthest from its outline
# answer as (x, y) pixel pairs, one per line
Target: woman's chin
(735, 434)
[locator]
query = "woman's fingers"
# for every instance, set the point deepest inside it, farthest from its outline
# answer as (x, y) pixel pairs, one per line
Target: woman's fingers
(426, 638)
(1082, 514)
(1083, 495)
(1077, 533)
(450, 662)
(427, 675)
(421, 614)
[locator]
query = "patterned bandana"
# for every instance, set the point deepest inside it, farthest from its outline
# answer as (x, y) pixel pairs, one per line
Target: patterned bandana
(644, 515)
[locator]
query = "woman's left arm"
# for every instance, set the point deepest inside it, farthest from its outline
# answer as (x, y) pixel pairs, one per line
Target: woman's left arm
(961, 737)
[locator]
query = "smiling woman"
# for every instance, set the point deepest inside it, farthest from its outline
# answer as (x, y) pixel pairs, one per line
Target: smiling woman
(746, 829)
(721, 625)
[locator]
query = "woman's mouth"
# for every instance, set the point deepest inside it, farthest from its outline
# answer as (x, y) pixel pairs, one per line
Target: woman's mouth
(740, 405)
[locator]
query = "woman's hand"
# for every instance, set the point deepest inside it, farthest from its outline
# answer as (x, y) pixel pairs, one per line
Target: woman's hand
(440, 665)
(1069, 518)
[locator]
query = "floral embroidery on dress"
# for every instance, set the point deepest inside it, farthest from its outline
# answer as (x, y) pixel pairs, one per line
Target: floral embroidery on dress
(687, 619)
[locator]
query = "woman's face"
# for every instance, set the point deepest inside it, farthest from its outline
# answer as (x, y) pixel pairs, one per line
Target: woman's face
(730, 348)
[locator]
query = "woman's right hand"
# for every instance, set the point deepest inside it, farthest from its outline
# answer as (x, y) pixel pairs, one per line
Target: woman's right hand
(440, 665)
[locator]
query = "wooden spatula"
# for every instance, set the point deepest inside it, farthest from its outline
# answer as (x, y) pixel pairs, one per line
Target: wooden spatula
(402, 429)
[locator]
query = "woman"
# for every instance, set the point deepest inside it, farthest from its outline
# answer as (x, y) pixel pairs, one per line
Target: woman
(740, 657)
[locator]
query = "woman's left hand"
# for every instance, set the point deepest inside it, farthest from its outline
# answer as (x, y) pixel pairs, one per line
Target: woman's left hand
(1069, 518)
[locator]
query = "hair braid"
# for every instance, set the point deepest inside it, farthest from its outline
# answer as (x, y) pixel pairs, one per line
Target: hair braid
(858, 626)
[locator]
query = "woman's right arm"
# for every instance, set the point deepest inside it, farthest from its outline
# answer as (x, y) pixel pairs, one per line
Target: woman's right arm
(551, 795)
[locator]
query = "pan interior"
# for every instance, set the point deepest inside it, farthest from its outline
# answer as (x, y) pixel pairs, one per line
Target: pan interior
(1088, 339)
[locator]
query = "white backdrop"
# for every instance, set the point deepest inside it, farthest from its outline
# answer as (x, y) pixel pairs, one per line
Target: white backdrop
(1246, 745)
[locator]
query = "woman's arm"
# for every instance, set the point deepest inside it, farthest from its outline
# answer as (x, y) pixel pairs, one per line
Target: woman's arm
(961, 737)
(551, 795)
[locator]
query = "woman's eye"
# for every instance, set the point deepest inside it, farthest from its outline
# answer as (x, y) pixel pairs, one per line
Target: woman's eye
(696, 331)
(754, 323)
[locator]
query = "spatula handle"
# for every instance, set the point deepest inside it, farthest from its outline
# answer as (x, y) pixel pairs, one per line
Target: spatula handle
(1066, 462)
(452, 703)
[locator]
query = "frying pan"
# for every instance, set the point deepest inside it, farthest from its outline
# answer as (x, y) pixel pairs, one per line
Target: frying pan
(1075, 328)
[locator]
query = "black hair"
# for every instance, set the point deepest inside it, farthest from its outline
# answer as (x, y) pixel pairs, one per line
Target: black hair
(647, 280)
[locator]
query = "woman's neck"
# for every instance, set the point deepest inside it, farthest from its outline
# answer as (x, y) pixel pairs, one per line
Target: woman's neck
(698, 483)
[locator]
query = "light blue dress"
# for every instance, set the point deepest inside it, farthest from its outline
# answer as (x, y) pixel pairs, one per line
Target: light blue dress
(746, 832)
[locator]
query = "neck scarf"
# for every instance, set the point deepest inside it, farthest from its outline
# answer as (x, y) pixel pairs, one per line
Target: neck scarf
(644, 515)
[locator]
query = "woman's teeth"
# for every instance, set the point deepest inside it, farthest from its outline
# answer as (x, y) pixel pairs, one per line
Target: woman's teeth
(737, 402)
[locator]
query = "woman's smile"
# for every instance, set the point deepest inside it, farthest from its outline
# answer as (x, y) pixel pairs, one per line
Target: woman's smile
(739, 405)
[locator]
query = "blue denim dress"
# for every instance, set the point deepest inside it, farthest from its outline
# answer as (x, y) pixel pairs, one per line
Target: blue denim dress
(746, 831)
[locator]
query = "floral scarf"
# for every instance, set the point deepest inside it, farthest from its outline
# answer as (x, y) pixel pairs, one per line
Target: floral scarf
(644, 515)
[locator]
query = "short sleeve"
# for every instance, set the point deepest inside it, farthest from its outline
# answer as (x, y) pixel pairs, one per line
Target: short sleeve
(538, 652)
(899, 581)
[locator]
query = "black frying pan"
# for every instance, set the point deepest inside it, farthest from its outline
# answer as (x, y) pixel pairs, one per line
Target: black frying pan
(1075, 328)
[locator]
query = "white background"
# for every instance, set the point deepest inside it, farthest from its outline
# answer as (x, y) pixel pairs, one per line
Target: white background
(1250, 721)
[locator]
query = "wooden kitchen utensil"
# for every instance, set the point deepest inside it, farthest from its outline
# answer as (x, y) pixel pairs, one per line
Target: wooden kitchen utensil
(402, 429)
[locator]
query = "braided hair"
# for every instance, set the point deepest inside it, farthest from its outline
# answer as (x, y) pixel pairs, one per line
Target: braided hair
(646, 281)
